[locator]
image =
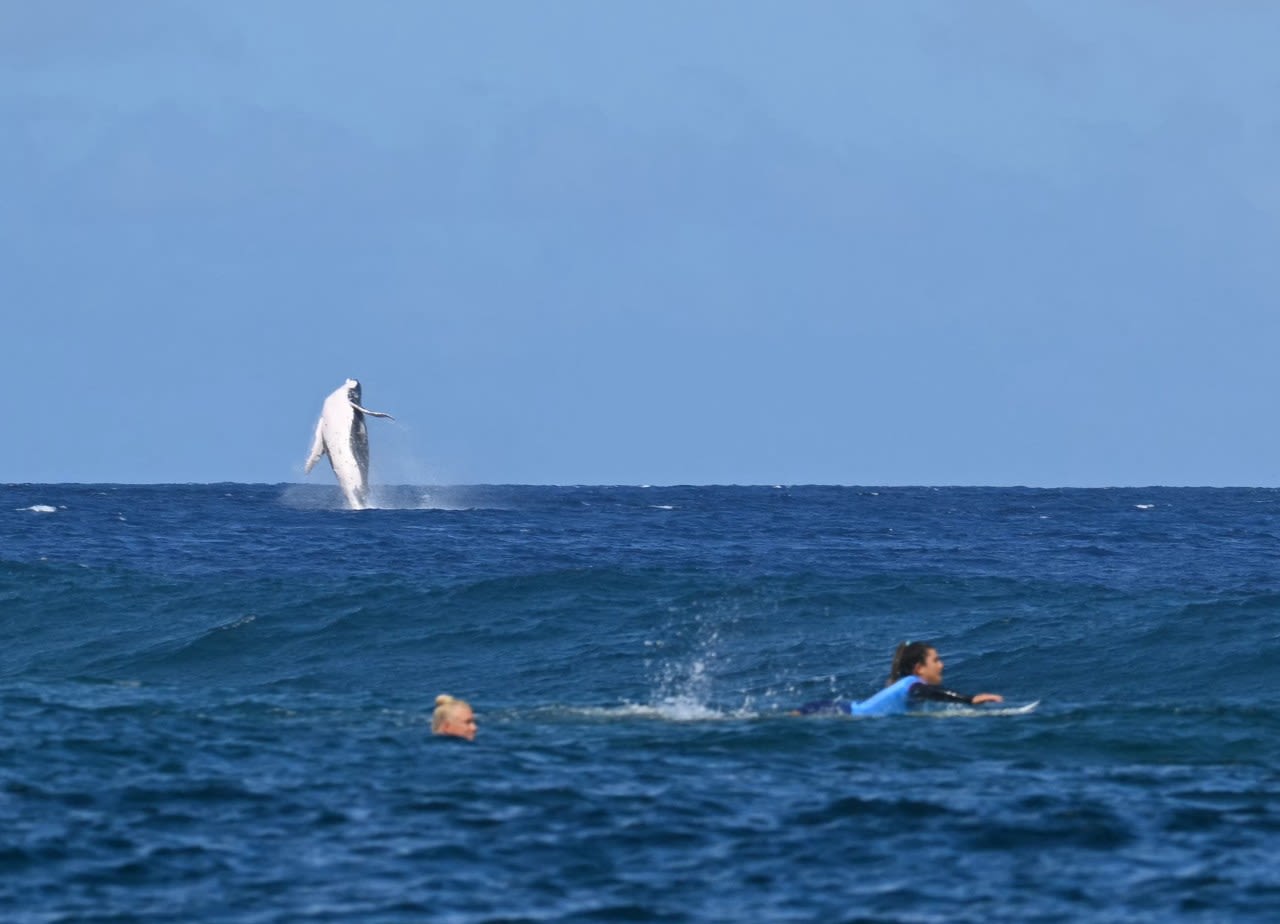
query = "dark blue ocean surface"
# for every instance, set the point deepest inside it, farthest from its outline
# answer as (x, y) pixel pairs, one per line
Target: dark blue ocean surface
(215, 700)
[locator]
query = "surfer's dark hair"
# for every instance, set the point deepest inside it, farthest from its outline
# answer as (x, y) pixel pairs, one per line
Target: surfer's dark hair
(907, 658)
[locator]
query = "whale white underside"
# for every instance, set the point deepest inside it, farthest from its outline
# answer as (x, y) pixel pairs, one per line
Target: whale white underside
(341, 434)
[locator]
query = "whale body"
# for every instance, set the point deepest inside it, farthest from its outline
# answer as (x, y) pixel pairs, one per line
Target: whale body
(341, 434)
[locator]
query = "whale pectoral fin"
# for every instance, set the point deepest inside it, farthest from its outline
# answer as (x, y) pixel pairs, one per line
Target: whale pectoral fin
(363, 410)
(317, 448)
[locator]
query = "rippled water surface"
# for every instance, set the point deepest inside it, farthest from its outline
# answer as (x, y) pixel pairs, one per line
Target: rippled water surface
(215, 701)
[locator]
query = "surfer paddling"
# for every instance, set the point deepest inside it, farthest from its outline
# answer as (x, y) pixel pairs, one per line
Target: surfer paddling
(914, 679)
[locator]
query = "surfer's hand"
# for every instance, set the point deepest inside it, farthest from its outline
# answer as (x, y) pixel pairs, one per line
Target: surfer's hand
(987, 698)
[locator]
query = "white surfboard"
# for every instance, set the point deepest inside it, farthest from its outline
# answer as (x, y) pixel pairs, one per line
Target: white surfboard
(951, 711)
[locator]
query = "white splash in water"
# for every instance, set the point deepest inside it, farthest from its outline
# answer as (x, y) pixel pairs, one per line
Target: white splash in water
(235, 624)
(684, 685)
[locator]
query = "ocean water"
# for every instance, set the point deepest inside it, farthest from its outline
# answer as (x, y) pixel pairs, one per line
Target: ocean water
(215, 701)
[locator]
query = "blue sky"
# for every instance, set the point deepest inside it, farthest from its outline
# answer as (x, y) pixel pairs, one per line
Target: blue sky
(643, 243)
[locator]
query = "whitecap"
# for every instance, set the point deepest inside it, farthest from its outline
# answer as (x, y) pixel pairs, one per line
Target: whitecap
(235, 624)
(671, 710)
(685, 709)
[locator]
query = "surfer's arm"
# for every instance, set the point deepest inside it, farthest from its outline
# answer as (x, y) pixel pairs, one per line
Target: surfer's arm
(928, 692)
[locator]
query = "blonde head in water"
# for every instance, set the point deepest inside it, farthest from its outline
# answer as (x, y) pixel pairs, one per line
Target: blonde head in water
(453, 717)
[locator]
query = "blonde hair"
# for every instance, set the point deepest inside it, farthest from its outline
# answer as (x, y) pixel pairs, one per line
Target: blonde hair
(445, 704)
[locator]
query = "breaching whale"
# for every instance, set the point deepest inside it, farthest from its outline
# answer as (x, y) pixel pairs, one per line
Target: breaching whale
(342, 434)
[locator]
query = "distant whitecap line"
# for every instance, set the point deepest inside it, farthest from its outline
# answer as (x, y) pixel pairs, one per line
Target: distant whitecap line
(686, 710)
(670, 711)
(381, 497)
(235, 624)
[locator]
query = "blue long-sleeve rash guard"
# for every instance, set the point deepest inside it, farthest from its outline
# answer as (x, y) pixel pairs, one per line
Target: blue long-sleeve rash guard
(896, 698)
